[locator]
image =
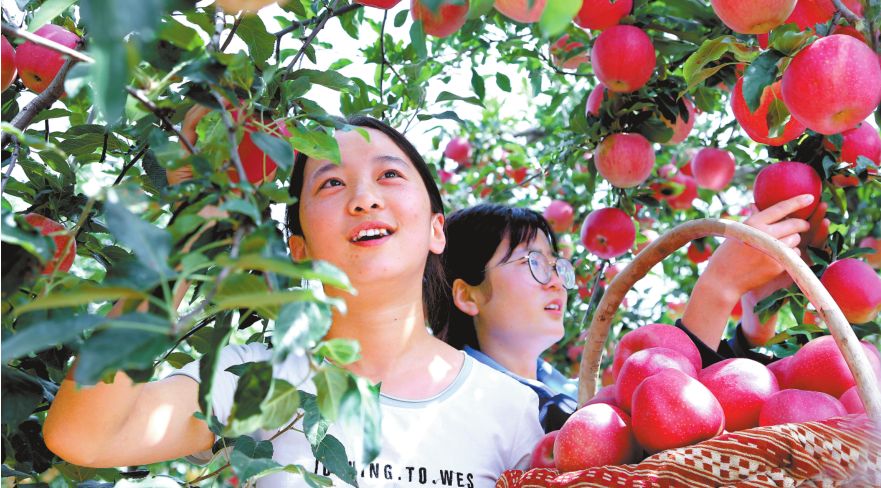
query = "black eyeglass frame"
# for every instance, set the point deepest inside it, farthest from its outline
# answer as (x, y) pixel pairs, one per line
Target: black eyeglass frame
(566, 274)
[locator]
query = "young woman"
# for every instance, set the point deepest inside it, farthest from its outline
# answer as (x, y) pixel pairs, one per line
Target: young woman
(378, 216)
(508, 294)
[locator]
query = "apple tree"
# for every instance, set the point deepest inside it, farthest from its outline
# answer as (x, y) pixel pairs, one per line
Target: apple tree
(138, 239)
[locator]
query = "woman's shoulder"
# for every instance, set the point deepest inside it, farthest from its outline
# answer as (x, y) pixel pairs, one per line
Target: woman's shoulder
(501, 387)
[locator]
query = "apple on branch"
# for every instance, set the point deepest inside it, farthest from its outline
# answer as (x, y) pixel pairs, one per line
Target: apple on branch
(446, 21)
(37, 65)
(7, 66)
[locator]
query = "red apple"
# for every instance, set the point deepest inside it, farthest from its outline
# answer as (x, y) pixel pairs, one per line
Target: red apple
(681, 128)
(755, 124)
(655, 335)
(833, 84)
(595, 100)
(606, 394)
(808, 13)
(447, 20)
(686, 168)
(644, 364)
(243, 5)
(713, 168)
(560, 215)
(683, 200)
(7, 67)
(38, 65)
(257, 165)
(459, 150)
(696, 255)
(819, 366)
(568, 54)
(856, 288)
(516, 174)
(763, 40)
(874, 259)
(741, 385)
(780, 368)
(623, 58)
(543, 453)
(753, 16)
(602, 14)
(608, 232)
(445, 176)
(625, 159)
(595, 435)
(520, 10)
(784, 180)
(787, 406)
(383, 4)
(672, 409)
(851, 400)
(65, 245)
(862, 140)
(849, 30)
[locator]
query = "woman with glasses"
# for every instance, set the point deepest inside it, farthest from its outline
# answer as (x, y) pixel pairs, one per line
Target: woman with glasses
(508, 293)
(507, 299)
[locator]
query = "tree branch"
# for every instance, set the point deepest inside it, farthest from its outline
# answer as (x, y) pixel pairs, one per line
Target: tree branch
(12, 31)
(846, 12)
(219, 24)
(316, 19)
(232, 32)
(12, 160)
(130, 164)
(322, 20)
(42, 101)
(158, 113)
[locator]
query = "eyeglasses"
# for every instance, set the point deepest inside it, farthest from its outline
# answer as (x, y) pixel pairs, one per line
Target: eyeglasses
(542, 269)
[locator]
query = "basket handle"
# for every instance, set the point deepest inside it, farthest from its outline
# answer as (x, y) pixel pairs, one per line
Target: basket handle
(854, 354)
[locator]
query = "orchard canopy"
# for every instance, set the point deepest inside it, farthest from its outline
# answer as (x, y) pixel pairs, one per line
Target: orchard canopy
(665, 111)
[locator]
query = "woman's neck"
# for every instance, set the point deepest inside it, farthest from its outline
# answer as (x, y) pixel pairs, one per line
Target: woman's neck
(518, 355)
(396, 348)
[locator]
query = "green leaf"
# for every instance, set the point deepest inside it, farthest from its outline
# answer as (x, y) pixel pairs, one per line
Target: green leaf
(278, 149)
(314, 425)
(316, 144)
(179, 35)
(478, 84)
(242, 206)
(250, 458)
(47, 12)
(260, 42)
(503, 82)
(252, 387)
(330, 79)
(760, 73)
(557, 15)
(150, 244)
(216, 338)
(709, 51)
(133, 341)
(242, 290)
(777, 118)
(327, 273)
(299, 326)
(340, 351)
(47, 333)
(479, 8)
(401, 18)
(447, 96)
(331, 383)
(79, 296)
(361, 418)
(332, 455)
(417, 40)
(22, 393)
(280, 406)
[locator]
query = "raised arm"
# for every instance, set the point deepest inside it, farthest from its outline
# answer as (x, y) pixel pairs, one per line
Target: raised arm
(736, 268)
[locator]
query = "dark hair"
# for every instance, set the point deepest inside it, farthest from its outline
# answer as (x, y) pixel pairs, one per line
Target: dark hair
(434, 287)
(473, 235)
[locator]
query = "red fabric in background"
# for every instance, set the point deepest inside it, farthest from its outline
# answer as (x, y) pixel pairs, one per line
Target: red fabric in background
(844, 451)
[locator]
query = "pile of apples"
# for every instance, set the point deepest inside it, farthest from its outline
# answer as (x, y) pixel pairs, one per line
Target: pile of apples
(662, 399)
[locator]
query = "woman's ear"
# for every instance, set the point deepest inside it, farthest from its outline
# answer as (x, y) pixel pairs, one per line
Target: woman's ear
(298, 248)
(465, 297)
(438, 238)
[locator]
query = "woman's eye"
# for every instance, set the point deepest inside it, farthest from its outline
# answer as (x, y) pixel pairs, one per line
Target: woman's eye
(391, 173)
(331, 182)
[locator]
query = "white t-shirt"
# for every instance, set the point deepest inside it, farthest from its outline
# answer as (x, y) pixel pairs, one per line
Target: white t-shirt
(466, 436)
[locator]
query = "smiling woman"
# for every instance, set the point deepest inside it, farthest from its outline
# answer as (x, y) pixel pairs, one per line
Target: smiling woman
(377, 216)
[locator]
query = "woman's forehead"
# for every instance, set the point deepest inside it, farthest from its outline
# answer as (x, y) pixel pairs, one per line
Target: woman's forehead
(355, 149)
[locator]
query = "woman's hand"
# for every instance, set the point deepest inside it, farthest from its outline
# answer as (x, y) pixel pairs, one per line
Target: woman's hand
(188, 131)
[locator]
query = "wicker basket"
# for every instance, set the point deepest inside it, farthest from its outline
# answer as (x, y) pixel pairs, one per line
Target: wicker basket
(842, 451)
